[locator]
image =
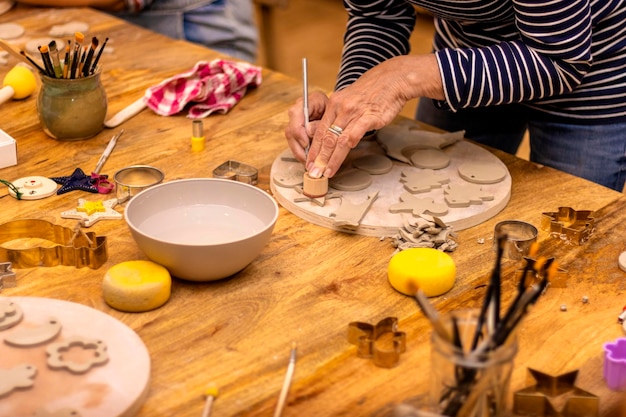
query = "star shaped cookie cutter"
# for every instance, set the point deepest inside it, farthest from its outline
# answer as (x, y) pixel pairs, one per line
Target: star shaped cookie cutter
(536, 399)
(368, 339)
(73, 247)
(572, 226)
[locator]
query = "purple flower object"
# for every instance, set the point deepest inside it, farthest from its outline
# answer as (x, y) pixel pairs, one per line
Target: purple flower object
(615, 364)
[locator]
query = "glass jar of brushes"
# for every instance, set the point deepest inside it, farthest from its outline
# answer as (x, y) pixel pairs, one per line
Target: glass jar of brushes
(72, 108)
(467, 377)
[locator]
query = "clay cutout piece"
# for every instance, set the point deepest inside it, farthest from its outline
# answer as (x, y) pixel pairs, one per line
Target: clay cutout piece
(56, 352)
(424, 181)
(482, 172)
(5, 6)
(291, 178)
(90, 212)
(349, 214)
(32, 46)
(351, 180)
(394, 138)
(11, 30)
(418, 206)
(429, 158)
(21, 376)
(68, 29)
(373, 164)
(462, 195)
(26, 337)
(10, 314)
(65, 412)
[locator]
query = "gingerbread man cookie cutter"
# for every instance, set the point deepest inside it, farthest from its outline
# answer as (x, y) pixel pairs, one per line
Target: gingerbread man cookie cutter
(71, 249)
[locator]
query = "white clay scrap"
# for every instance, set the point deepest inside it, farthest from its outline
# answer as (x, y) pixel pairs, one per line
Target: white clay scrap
(10, 314)
(26, 337)
(57, 359)
(482, 172)
(349, 214)
(11, 30)
(373, 164)
(351, 180)
(21, 376)
(68, 29)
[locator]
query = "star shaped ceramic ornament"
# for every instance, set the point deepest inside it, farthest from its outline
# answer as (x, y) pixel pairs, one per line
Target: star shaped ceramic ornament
(90, 212)
(93, 183)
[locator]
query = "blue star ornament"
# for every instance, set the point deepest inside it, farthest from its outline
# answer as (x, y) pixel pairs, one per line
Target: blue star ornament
(77, 181)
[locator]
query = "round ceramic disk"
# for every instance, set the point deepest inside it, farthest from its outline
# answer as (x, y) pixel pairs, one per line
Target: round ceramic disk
(69, 29)
(34, 188)
(11, 30)
(351, 180)
(32, 46)
(622, 261)
(430, 158)
(482, 172)
(373, 164)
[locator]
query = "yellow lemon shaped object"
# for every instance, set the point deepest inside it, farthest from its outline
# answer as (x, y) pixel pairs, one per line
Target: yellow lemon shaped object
(136, 286)
(22, 80)
(430, 269)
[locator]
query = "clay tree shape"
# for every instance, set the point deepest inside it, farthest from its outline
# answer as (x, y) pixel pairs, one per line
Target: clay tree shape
(462, 195)
(26, 337)
(10, 314)
(57, 354)
(418, 206)
(20, 376)
(423, 181)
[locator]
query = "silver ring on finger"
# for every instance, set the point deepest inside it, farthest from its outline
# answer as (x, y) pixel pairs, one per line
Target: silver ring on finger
(335, 130)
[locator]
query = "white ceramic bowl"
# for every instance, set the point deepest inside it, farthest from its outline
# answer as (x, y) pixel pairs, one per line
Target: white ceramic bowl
(202, 229)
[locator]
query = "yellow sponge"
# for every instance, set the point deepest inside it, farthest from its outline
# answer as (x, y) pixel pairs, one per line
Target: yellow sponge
(136, 286)
(429, 269)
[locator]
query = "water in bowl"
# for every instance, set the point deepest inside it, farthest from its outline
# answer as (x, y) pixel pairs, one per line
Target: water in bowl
(202, 224)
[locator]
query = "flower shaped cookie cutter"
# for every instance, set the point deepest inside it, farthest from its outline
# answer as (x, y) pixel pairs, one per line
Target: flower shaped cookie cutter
(615, 364)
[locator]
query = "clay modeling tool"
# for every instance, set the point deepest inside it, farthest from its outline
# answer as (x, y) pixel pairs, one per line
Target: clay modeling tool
(305, 101)
(287, 382)
(107, 152)
(211, 395)
(126, 113)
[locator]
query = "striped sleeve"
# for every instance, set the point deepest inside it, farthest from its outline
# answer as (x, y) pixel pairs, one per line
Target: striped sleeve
(550, 57)
(376, 31)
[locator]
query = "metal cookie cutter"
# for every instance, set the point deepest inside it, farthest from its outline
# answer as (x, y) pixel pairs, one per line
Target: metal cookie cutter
(7, 276)
(573, 226)
(73, 246)
(520, 237)
(535, 400)
(365, 336)
(236, 171)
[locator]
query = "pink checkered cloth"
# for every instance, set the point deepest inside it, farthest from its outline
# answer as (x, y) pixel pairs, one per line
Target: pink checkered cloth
(213, 87)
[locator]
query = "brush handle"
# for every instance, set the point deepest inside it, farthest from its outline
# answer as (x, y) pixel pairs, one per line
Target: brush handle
(10, 49)
(6, 94)
(126, 113)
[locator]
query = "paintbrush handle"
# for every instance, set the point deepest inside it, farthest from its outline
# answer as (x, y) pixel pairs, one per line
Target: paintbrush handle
(13, 51)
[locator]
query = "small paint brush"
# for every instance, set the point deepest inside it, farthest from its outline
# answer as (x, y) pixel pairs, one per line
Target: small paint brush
(32, 62)
(89, 58)
(47, 62)
(287, 382)
(66, 61)
(429, 311)
(54, 55)
(94, 67)
(107, 152)
(78, 44)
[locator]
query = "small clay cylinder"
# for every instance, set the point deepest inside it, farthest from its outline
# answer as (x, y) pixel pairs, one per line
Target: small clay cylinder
(314, 187)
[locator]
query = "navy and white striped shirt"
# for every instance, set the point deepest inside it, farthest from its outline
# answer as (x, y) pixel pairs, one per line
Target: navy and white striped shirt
(564, 58)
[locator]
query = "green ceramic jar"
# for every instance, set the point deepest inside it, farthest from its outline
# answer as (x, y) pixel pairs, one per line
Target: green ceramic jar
(72, 109)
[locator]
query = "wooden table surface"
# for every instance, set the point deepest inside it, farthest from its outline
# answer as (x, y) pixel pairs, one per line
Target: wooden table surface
(309, 282)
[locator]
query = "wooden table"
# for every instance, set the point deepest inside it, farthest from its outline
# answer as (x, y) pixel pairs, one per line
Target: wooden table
(309, 282)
